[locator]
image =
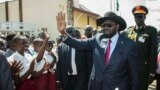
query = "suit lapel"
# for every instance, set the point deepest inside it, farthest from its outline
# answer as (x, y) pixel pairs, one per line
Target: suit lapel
(102, 52)
(100, 49)
(117, 51)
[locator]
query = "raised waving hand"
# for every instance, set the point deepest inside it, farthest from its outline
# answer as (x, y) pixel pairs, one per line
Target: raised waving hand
(61, 24)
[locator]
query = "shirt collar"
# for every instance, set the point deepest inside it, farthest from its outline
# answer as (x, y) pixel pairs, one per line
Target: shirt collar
(141, 27)
(113, 39)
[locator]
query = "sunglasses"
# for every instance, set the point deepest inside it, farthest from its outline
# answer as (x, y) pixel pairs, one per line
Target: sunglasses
(107, 25)
(138, 16)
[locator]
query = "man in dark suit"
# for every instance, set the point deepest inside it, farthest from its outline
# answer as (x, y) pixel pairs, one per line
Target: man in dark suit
(146, 38)
(72, 65)
(115, 58)
(88, 31)
(5, 74)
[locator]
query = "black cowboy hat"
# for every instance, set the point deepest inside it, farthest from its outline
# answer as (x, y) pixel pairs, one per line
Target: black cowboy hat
(112, 16)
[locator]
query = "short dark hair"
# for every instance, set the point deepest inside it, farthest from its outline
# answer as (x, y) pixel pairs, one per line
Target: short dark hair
(18, 37)
(37, 40)
(10, 37)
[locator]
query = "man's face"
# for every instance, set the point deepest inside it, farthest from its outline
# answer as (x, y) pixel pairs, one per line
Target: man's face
(49, 47)
(76, 34)
(37, 45)
(110, 28)
(22, 45)
(2, 46)
(88, 32)
(139, 19)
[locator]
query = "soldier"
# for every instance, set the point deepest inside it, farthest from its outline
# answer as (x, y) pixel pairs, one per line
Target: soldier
(146, 38)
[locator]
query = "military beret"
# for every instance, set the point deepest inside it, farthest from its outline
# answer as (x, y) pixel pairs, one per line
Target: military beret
(140, 9)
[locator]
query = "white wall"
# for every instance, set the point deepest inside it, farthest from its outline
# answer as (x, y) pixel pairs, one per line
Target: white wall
(13, 9)
(126, 7)
(153, 17)
(76, 3)
(42, 13)
(2, 12)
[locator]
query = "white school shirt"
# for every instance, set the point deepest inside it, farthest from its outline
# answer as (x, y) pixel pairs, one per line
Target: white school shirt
(25, 60)
(39, 65)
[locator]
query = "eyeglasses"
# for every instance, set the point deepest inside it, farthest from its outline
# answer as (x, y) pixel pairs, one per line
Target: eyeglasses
(107, 25)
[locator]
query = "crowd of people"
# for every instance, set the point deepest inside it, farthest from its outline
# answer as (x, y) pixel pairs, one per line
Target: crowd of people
(111, 59)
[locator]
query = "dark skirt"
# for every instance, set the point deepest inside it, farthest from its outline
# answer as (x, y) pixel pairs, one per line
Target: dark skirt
(45, 82)
(27, 84)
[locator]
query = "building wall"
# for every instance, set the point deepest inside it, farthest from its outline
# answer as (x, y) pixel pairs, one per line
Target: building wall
(80, 20)
(92, 22)
(13, 9)
(41, 13)
(2, 12)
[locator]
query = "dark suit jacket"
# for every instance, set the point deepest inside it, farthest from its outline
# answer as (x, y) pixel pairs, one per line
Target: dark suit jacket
(63, 65)
(5, 74)
(122, 69)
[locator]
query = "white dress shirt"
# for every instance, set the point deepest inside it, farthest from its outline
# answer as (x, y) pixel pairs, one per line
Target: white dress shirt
(114, 39)
(73, 63)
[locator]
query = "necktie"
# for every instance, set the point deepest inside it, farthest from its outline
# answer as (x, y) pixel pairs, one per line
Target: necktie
(70, 61)
(107, 52)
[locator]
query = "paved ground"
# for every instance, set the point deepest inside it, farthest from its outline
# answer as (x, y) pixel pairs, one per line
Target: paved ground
(152, 86)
